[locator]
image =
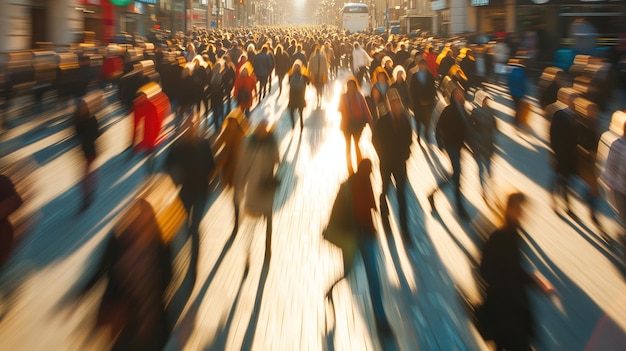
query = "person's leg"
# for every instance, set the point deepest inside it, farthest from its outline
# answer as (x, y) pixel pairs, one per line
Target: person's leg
(357, 147)
(385, 174)
(292, 111)
(401, 179)
(348, 138)
(280, 84)
(268, 237)
(301, 113)
(368, 252)
(455, 159)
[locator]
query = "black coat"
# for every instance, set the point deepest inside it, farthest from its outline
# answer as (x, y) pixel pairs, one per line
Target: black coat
(87, 131)
(452, 128)
(392, 142)
(190, 163)
(505, 314)
(563, 141)
(282, 64)
(422, 95)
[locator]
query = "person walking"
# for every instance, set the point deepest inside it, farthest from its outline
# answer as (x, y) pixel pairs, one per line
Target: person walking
(263, 65)
(481, 139)
(87, 131)
(352, 213)
(298, 80)
(518, 86)
(355, 114)
(564, 148)
(255, 179)
(451, 134)
(614, 175)
(360, 62)
(392, 138)
(245, 88)
(423, 96)
(282, 67)
(505, 315)
(318, 72)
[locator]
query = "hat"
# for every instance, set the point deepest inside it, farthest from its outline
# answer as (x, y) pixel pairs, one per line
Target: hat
(392, 94)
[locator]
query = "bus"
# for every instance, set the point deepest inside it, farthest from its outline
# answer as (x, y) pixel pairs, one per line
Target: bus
(355, 17)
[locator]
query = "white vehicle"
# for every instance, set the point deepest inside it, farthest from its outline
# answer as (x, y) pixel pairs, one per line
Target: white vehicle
(355, 17)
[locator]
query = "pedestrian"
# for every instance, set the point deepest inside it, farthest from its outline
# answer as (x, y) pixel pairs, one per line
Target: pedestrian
(217, 87)
(588, 137)
(282, 66)
(355, 215)
(190, 163)
(136, 265)
(263, 65)
(446, 63)
(360, 62)
(401, 85)
(229, 82)
(505, 315)
(87, 131)
(255, 179)
(451, 134)
(245, 88)
(355, 114)
(10, 201)
(298, 80)
(392, 137)
(423, 96)
(481, 139)
(378, 99)
(564, 150)
(517, 85)
(318, 72)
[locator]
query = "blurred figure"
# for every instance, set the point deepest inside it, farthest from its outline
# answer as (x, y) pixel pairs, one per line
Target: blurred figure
(10, 201)
(318, 72)
(255, 179)
(263, 65)
(245, 88)
(614, 175)
(229, 81)
(392, 138)
(451, 134)
(355, 215)
(401, 85)
(588, 134)
(380, 85)
(563, 144)
(431, 61)
(355, 114)
(227, 147)
(446, 63)
(137, 268)
(282, 66)
(481, 139)
(360, 61)
(87, 131)
(550, 94)
(505, 315)
(190, 163)
(217, 87)
(298, 81)
(518, 86)
(423, 95)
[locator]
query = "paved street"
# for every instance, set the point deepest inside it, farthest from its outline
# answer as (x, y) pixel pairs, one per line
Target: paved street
(237, 303)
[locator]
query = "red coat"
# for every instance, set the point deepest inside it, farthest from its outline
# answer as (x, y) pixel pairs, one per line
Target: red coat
(245, 89)
(431, 59)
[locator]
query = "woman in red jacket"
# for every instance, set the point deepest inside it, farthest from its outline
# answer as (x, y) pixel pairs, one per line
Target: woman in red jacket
(245, 88)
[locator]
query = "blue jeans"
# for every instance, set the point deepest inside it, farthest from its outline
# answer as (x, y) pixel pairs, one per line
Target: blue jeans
(367, 247)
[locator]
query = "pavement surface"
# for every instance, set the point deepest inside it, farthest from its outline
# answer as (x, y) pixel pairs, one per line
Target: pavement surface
(238, 303)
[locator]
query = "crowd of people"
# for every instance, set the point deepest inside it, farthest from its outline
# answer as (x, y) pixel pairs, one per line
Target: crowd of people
(392, 83)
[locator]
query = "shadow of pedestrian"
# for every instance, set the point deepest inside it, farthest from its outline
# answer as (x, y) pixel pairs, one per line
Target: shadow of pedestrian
(221, 339)
(254, 318)
(286, 173)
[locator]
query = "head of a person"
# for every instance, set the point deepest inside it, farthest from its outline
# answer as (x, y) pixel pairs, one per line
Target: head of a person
(351, 86)
(381, 77)
(571, 103)
(422, 64)
(357, 45)
(395, 103)
(514, 212)
(400, 75)
(297, 67)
